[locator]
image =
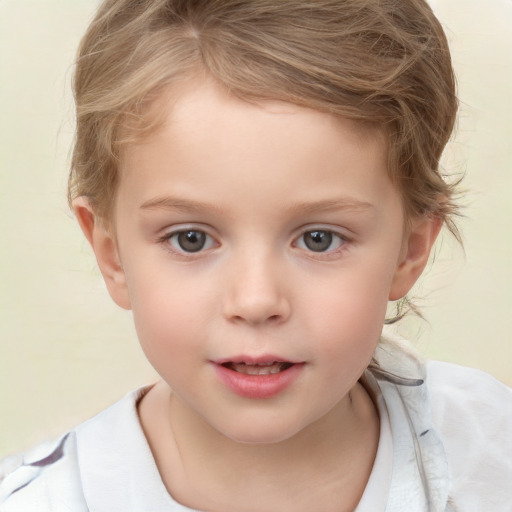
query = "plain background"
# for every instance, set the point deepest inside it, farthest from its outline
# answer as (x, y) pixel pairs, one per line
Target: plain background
(66, 351)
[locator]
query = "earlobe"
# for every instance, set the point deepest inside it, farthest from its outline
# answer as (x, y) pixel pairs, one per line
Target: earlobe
(417, 246)
(105, 249)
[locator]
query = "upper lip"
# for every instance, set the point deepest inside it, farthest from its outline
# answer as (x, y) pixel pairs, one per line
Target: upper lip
(247, 359)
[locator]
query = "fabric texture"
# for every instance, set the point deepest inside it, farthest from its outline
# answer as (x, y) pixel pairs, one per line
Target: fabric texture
(445, 446)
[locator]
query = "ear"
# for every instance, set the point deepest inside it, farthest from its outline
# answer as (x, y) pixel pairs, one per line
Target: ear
(417, 244)
(105, 249)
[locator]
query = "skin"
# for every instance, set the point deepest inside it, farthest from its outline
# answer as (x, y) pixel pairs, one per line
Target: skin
(256, 179)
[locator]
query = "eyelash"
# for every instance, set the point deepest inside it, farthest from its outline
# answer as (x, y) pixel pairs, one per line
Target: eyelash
(299, 242)
(168, 238)
(333, 238)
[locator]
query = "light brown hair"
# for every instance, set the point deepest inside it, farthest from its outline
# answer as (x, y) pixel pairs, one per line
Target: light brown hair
(382, 62)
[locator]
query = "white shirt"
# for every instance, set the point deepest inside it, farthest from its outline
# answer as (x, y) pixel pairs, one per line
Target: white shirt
(445, 445)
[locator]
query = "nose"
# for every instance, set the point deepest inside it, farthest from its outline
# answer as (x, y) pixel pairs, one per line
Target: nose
(255, 291)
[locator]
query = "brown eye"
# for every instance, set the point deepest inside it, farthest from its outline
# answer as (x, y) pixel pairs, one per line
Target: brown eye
(318, 241)
(189, 240)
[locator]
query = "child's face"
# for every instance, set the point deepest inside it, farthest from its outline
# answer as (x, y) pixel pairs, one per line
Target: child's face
(266, 234)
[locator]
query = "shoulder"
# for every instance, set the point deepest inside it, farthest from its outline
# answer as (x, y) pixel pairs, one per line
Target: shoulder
(472, 412)
(54, 475)
(471, 398)
(43, 479)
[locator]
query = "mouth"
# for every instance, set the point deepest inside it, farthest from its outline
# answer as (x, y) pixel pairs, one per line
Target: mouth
(268, 368)
(258, 377)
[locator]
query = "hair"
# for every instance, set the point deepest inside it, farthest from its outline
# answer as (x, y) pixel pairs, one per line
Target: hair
(381, 62)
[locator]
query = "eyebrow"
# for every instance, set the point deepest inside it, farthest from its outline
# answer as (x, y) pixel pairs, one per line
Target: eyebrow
(187, 206)
(174, 203)
(335, 204)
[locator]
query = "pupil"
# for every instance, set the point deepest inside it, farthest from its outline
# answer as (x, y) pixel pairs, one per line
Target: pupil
(191, 241)
(318, 241)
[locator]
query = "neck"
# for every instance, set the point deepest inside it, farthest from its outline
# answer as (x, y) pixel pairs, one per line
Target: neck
(327, 462)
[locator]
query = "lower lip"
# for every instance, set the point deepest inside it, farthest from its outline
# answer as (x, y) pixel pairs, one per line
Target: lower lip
(258, 386)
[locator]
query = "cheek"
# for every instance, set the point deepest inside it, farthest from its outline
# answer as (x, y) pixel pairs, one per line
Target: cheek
(349, 314)
(168, 312)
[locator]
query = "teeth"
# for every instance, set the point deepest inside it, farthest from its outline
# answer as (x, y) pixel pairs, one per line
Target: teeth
(259, 369)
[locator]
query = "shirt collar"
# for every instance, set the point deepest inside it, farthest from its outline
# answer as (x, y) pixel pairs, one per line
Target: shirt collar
(420, 478)
(117, 469)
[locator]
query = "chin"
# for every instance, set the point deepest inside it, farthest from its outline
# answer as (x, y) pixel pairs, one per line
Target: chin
(259, 433)
(258, 438)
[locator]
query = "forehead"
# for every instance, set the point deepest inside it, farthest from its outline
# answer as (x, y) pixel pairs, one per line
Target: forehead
(201, 100)
(207, 140)
(193, 96)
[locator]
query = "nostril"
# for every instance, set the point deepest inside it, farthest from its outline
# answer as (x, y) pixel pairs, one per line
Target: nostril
(257, 319)
(260, 306)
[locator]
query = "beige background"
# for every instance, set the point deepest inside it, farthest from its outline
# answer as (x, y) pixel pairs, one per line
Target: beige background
(66, 351)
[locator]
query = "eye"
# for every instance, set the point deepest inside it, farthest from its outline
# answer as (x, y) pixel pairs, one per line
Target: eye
(320, 240)
(189, 240)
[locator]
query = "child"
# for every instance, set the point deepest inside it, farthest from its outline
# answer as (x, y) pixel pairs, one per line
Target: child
(257, 180)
